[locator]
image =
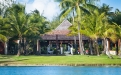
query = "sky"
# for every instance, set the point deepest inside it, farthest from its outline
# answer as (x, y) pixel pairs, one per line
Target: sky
(50, 9)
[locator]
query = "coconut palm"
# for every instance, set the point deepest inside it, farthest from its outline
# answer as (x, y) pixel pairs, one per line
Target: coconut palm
(115, 19)
(25, 26)
(118, 29)
(92, 26)
(96, 26)
(106, 8)
(40, 24)
(21, 24)
(71, 8)
(3, 38)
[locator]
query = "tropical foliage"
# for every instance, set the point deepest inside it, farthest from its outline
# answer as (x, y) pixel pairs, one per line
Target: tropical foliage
(92, 21)
(87, 19)
(17, 25)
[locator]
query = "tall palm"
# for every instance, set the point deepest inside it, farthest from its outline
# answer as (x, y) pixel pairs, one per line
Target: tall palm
(97, 26)
(118, 29)
(92, 26)
(73, 8)
(40, 24)
(115, 18)
(20, 22)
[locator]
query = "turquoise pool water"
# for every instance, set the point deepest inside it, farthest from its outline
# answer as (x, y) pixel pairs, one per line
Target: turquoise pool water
(60, 70)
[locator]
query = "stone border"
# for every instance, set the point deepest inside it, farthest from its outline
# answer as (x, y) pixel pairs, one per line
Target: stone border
(60, 65)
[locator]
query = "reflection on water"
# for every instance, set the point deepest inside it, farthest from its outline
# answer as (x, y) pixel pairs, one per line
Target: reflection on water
(60, 70)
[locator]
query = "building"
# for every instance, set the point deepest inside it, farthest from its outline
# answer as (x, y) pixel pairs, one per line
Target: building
(59, 38)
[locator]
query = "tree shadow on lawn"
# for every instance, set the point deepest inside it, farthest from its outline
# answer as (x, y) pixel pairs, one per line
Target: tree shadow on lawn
(11, 61)
(6, 56)
(55, 55)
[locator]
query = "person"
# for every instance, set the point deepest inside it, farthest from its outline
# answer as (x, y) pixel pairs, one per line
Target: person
(70, 48)
(48, 50)
(78, 51)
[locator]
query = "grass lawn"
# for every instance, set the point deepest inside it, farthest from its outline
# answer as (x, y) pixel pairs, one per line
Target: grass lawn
(59, 60)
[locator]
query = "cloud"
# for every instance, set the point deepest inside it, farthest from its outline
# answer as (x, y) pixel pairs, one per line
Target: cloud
(48, 8)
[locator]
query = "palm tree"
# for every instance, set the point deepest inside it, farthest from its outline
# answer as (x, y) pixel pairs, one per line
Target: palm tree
(106, 8)
(22, 24)
(3, 38)
(4, 33)
(96, 26)
(40, 24)
(92, 26)
(17, 20)
(26, 25)
(115, 19)
(118, 29)
(75, 8)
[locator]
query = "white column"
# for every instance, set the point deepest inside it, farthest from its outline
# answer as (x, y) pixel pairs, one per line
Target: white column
(5, 46)
(38, 46)
(61, 50)
(71, 50)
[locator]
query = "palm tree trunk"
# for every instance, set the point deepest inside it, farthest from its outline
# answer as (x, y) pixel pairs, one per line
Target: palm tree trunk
(104, 44)
(6, 48)
(120, 48)
(19, 47)
(96, 46)
(38, 47)
(107, 48)
(82, 43)
(116, 47)
(80, 40)
(90, 46)
(75, 44)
